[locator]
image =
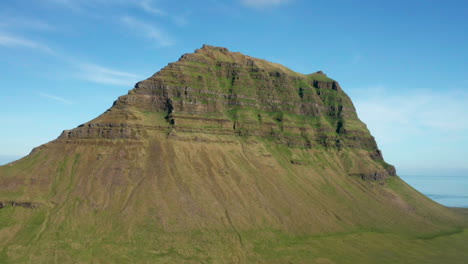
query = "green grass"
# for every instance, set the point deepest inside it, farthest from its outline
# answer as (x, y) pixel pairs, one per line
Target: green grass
(240, 196)
(259, 246)
(72, 232)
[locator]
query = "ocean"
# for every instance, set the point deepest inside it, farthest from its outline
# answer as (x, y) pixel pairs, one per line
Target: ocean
(449, 190)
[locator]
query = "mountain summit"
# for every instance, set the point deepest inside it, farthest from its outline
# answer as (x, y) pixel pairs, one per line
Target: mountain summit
(217, 92)
(217, 158)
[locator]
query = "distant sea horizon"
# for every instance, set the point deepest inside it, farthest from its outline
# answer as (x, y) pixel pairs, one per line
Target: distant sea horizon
(448, 188)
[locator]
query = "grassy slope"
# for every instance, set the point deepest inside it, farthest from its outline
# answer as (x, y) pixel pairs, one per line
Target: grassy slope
(220, 203)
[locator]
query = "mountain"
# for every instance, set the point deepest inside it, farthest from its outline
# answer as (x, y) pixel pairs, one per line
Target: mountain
(221, 158)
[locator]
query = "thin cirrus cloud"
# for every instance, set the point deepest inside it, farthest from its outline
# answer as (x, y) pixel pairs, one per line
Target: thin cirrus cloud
(417, 129)
(55, 98)
(148, 31)
(87, 71)
(264, 3)
(148, 7)
(12, 41)
(142, 28)
(102, 75)
(399, 117)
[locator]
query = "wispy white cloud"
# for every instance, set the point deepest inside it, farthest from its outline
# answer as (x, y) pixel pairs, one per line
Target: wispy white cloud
(398, 116)
(180, 20)
(87, 71)
(99, 74)
(55, 98)
(148, 31)
(89, 7)
(264, 3)
(147, 6)
(11, 41)
(416, 129)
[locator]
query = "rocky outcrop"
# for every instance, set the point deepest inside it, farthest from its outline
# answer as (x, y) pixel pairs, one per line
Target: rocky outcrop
(327, 85)
(101, 131)
(374, 176)
(28, 205)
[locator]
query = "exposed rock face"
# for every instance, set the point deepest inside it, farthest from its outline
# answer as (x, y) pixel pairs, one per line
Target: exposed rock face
(29, 205)
(214, 91)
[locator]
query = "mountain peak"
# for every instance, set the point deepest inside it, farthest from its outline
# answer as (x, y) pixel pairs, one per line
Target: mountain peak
(213, 48)
(217, 158)
(250, 97)
(320, 72)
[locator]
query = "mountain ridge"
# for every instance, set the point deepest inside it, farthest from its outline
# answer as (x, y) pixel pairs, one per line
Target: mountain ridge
(183, 90)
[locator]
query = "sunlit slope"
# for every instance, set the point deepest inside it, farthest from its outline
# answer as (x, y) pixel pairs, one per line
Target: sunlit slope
(221, 158)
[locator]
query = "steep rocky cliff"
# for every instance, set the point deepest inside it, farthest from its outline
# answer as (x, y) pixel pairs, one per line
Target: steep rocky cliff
(217, 158)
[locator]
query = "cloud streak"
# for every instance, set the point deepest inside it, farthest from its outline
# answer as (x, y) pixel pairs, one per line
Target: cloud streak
(394, 116)
(416, 129)
(87, 71)
(148, 31)
(99, 74)
(55, 98)
(10, 41)
(147, 6)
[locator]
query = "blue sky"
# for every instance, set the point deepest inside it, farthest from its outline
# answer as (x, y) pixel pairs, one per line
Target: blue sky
(404, 63)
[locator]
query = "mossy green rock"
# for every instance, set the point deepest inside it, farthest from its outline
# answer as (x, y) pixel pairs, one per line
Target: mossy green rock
(221, 158)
